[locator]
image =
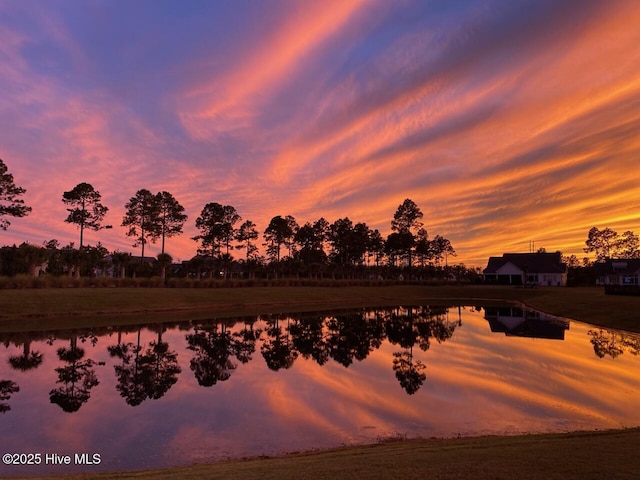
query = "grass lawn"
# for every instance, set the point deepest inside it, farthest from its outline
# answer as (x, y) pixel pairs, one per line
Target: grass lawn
(607, 455)
(76, 307)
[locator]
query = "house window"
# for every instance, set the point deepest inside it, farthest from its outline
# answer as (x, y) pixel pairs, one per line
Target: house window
(532, 278)
(619, 266)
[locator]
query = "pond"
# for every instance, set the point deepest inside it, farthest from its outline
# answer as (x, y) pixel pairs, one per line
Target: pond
(127, 398)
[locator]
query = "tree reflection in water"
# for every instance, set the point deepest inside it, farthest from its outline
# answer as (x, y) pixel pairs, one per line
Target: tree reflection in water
(409, 326)
(7, 388)
(78, 377)
(244, 341)
(163, 365)
(277, 349)
(148, 371)
(28, 360)
(353, 336)
(613, 344)
(307, 336)
(148, 374)
(128, 373)
(213, 347)
(408, 372)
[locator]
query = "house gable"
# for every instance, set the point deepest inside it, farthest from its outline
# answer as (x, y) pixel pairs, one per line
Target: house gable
(509, 269)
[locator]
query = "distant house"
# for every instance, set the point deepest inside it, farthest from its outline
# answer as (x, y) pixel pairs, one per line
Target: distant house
(112, 268)
(544, 269)
(621, 272)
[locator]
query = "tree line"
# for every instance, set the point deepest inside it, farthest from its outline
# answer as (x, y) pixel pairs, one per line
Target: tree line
(312, 249)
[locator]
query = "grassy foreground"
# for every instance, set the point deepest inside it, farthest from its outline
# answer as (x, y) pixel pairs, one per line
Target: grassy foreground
(76, 307)
(583, 455)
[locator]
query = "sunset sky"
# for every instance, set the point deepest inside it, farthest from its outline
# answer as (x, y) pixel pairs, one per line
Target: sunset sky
(505, 121)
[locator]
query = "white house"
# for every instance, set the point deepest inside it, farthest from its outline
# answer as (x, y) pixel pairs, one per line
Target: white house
(622, 272)
(544, 269)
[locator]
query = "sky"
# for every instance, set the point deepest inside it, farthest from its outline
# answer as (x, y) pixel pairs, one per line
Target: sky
(504, 121)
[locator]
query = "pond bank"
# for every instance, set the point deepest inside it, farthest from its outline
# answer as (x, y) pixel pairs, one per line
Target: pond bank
(579, 455)
(87, 307)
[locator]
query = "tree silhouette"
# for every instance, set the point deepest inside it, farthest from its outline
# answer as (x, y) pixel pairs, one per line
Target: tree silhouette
(423, 247)
(245, 235)
(229, 218)
(289, 240)
(349, 242)
(10, 203)
(399, 244)
(602, 242)
(441, 247)
(277, 233)
(376, 246)
(142, 218)
(92, 258)
(628, 245)
(311, 240)
(407, 219)
(216, 224)
(86, 210)
(171, 216)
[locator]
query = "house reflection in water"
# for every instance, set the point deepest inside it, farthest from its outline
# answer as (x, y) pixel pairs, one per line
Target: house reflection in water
(519, 322)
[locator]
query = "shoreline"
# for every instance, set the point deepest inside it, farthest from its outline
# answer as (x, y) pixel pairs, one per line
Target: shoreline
(37, 309)
(608, 454)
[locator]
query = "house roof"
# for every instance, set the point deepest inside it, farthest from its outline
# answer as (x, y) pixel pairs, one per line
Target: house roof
(618, 266)
(528, 262)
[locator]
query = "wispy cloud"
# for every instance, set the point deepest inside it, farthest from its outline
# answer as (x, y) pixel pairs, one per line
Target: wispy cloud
(506, 122)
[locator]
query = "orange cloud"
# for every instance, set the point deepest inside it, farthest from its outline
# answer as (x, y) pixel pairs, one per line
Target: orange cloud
(225, 102)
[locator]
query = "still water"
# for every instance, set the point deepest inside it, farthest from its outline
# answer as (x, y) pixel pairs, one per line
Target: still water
(210, 389)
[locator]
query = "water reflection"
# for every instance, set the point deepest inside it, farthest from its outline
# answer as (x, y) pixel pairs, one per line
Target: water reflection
(28, 359)
(7, 388)
(213, 346)
(315, 379)
(144, 372)
(520, 322)
(613, 344)
(277, 348)
(77, 377)
(148, 371)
